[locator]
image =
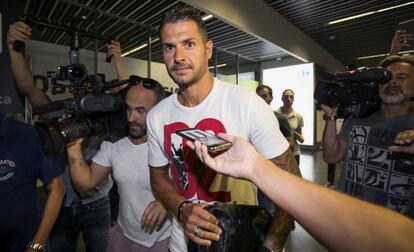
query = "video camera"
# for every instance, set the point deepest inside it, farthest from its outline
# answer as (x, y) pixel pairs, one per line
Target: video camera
(100, 114)
(93, 111)
(354, 93)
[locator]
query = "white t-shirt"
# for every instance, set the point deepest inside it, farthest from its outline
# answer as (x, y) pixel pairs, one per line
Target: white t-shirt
(227, 108)
(131, 173)
(295, 122)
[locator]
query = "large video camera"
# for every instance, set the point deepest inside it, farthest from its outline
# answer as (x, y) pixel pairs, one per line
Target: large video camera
(354, 93)
(100, 114)
(93, 111)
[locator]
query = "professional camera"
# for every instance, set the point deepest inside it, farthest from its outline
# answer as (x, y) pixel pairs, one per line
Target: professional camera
(100, 114)
(355, 93)
(75, 73)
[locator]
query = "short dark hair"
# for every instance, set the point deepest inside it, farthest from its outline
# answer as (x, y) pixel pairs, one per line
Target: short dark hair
(396, 59)
(260, 87)
(186, 13)
(283, 93)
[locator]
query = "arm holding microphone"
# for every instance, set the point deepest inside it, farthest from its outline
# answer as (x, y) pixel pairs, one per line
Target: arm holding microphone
(340, 222)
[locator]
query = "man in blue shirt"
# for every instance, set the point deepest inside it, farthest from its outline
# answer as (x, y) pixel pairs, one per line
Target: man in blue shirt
(87, 212)
(22, 162)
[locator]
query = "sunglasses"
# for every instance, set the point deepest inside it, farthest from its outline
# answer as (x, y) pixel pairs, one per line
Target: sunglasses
(151, 84)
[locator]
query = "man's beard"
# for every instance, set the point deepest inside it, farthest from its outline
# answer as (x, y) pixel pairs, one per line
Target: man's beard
(393, 99)
(182, 82)
(137, 133)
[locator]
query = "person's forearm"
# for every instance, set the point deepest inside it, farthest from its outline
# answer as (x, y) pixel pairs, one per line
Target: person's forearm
(282, 222)
(120, 70)
(340, 222)
(330, 143)
(54, 200)
(164, 190)
(24, 79)
(80, 171)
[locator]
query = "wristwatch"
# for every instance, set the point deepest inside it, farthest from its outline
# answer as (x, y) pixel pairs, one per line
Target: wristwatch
(35, 246)
(329, 117)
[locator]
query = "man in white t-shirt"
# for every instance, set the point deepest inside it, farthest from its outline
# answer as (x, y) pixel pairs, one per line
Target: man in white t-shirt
(295, 120)
(142, 223)
(178, 178)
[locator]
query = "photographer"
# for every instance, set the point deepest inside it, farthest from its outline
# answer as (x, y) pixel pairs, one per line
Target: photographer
(86, 212)
(141, 224)
(370, 170)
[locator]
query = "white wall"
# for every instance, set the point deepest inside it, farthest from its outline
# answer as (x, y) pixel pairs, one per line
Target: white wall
(46, 57)
(299, 78)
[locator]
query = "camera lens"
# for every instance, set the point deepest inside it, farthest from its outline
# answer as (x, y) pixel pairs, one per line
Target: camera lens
(77, 73)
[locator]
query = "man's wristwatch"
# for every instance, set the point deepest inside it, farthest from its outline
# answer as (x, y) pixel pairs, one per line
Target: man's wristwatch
(329, 117)
(35, 246)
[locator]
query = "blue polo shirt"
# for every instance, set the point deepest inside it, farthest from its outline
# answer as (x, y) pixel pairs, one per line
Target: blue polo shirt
(22, 162)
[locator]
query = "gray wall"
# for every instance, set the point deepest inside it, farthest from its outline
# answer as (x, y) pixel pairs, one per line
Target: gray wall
(46, 57)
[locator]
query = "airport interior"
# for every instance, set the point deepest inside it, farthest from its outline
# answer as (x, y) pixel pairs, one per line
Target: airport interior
(305, 52)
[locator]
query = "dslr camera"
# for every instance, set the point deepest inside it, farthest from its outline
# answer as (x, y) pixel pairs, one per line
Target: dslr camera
(354, 93)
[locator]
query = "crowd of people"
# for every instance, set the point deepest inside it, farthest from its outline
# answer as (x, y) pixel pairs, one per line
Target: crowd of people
(164, 181)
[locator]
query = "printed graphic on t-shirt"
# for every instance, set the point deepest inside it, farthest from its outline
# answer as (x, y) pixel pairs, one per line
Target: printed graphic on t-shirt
(355, 173)
(191, 176)
(375, 174)
(6, 169)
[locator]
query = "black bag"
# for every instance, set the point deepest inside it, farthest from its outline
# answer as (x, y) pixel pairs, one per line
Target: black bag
(244, 228)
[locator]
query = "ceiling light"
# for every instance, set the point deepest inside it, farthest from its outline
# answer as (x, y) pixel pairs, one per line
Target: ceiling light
(139, 47)
(369, 13)
(221, 65)
(207, 17)
(382, 55)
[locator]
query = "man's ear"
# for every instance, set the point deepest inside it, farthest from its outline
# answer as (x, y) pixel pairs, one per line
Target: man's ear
(209, 48)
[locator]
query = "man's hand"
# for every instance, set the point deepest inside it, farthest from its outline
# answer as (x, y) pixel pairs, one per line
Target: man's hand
(18, 31)
(404, 142)
(239, 161)
(153, 217)
(114, 50)
(200, 225)
(328, 110)
(400, 40)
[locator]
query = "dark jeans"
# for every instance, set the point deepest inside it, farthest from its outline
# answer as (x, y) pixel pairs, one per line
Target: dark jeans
(331, 173)
(92, 219)
(297, 157)
(265, 202)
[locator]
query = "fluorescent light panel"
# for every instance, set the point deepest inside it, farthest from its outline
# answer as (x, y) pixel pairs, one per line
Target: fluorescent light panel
(139, 47)
(221, 65)
(369, 13)
(207, 17)
(381, 55)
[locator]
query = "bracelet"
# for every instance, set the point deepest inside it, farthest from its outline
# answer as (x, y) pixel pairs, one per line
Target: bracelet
(35, 246)
(329, 117)
(180, 208)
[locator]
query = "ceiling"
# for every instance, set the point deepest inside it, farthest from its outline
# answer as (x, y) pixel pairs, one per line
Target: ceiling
(132, 21)
(369, 35)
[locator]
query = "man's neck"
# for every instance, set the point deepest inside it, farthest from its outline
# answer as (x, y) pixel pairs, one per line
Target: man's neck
(196, 93)
(138, 141)
(286, 109)
(390, 111)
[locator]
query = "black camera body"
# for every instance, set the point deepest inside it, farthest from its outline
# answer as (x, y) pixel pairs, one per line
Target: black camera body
(91, 114)
(354, 93)
(77, 74)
